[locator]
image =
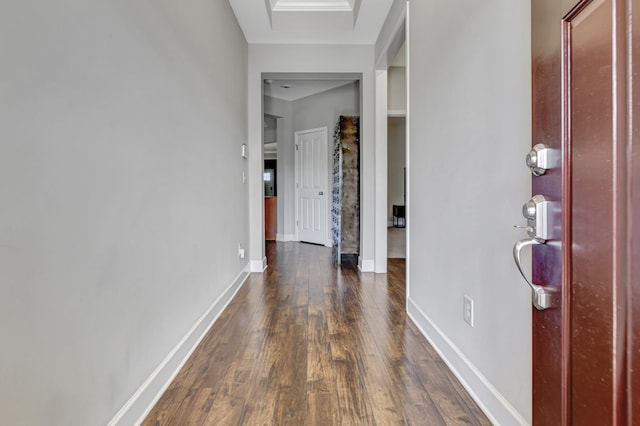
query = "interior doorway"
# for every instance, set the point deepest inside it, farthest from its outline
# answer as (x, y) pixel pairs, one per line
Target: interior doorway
(396, 188)
(299, 102)
(270, 200)
(397, 156)
(270, 176)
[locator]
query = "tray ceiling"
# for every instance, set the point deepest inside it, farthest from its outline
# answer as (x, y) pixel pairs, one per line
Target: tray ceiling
(311, 22)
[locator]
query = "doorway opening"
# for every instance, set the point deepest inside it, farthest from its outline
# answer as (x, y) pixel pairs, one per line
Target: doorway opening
(294, 107)
(396, 156)
(396, 187)
(270, 176)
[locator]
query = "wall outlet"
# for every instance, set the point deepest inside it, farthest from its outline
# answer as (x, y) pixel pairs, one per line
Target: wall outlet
(240, 251)
(467, 310)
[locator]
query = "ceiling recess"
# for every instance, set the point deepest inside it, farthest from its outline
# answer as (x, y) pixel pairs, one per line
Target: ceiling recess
(312, 16)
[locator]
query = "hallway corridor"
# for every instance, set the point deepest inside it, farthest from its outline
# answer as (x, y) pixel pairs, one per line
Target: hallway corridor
(306, 343)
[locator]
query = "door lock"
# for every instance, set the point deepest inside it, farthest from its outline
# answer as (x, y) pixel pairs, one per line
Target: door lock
(536, 211)
(541, 158)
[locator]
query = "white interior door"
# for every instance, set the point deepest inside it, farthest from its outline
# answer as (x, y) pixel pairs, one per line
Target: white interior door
(312, 193)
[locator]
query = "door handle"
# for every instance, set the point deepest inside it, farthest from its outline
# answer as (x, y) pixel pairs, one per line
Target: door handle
(536, 211)
(321, 193)
(542, 297)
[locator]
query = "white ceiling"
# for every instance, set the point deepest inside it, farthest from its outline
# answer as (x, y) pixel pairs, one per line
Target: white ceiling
(310, 21)
(300, 88)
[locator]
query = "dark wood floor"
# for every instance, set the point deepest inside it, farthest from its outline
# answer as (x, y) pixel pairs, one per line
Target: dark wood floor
(308, 343)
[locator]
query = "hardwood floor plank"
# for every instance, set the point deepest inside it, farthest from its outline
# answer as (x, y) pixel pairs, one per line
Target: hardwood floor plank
(323, 409)
(290, 409)
(416, 403)
(227, 405)
(319, 364)
(437, 380)
(309, 343)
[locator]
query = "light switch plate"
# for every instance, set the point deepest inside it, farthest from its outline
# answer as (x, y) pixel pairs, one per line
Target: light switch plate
(467, 310)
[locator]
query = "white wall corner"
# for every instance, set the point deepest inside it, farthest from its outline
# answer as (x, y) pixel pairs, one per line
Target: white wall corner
(381, 173)
(491, 401)
(366, 265)
(259, 265)
(147, 395)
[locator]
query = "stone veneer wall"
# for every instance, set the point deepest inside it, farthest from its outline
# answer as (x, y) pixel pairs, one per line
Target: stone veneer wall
(350, 202)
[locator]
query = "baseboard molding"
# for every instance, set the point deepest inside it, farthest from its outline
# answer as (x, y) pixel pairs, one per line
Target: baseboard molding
(366, 265)
(258, 265)
(285, 237)
(492, 403)
(140, 404)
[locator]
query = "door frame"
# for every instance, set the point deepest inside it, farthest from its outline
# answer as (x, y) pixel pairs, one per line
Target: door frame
(286, 64)
(327, 235)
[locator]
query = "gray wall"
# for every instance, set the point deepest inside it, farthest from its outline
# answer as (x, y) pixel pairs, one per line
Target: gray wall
(121, 196)
(396, 156)
(469, 132)
(324, 109)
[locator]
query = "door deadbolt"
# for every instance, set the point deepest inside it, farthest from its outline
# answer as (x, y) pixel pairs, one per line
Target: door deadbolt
(541, 158)
(536, 211)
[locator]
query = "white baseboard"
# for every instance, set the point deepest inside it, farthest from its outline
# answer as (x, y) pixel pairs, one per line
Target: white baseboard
(366, 265)
(140, 404)
(258, 265)
(492, 403)
(286, 237)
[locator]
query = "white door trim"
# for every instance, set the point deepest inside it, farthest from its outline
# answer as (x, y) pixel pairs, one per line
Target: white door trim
(325, 130)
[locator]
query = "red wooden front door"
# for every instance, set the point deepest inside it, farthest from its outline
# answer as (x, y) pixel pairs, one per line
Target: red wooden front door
(584, 81)
(633, 213)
